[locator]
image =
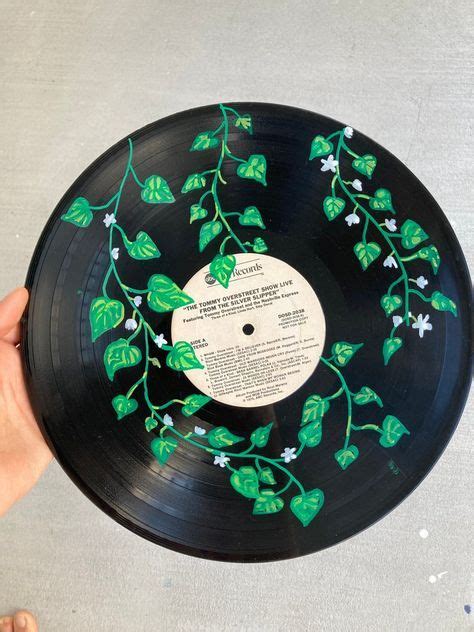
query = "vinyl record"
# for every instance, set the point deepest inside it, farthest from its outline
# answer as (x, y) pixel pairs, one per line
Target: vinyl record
(249, 332)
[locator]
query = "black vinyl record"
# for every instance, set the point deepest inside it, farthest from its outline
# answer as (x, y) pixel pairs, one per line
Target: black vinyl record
(249, 332)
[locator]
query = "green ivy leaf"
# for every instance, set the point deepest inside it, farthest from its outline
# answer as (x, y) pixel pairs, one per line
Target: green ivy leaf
(182, 357)
(392, 431)
(344, 351)
(259, 246)
(320, 147)
(120, 355)
(204, 140)
(365, 396)
(382, 200)
(163, 448)
(365, 165)
(412, 234)
(314, 409)
(79, 213)
(124, 406)
(208, 232)
(255, 168)
(244, 122)
(443, 304)
(307, 506)
(431, 254)
(193, 181)
(156, 191)
(260, 435)
(105, 314)
(245, 481)
(164, 295)
(221, 437)
(192, 403)
(143, 247)
(311, 434)
(346, 456)
(251, 217)
(333, 206)
(266, 476)
(150, 424)
(390, 303)
(196, 212)
(367, 253)
(267, 503)
(390, 346)
(221, 268)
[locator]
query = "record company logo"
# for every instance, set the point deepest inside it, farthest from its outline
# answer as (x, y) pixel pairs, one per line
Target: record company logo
(238, 272)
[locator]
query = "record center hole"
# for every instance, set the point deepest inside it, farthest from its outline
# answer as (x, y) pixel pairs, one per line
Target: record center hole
(248, 329)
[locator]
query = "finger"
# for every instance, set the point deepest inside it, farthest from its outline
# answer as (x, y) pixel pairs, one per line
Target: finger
(24, 621)
(6, 624)
(11, 310)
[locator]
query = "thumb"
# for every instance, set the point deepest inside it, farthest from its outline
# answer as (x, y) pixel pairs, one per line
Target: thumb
(11, 310)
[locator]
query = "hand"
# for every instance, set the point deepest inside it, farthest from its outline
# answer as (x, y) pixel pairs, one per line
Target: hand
(24, 454)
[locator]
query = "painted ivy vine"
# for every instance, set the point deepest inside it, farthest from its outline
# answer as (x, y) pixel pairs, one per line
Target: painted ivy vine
(210, 205)
(402, 245)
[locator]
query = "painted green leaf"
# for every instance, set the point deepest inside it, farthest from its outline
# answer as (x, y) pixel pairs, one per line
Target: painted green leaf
(313, 409)
(333, 206)
(164, 295)
(346, 456)
(259, 245)
(196, 212)
(192, 403)
(431, 254)
(412, 234)
(208, 232)
(193, 181)
(244, 122)
(221, 268)
(221, 437)
(307, 506)
(382, 200)
(120, 355)
(163, 448)
(344, 351)
(182, 357)
(390, 303)
(367, 253)
(443, 304)
(267, 503)
(143, 247)
(390, 346)
(251, 217)
(245, 481)
(204, 140)
(155, 362)
(392, 431)
(365, 165)
(156, 191)
(311, 434)
(320, 147)
(124, 406)
(365, 396)
(150, 424)
(105, 314)
(79, 213)
(260, 436)
(266, 476)
(254, 168)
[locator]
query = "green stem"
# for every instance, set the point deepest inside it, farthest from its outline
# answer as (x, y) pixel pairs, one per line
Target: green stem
(106, 205)
(367, 427)
(136, 178)
(347, 393)
(426, 299)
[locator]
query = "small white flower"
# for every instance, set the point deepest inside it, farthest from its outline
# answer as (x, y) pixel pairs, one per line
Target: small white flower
(353, 218)
(199, 431)
(168, 420)
(288, 454)
(422, 324)
(397, 320)
(221, 459)
(115, 253)
(131, 324)
(348, 132)
(357, 184)
(330, 164)
(421, 282)
(160, 340)
(390, 262)
(137, 301)
(391, 225)
(109, 219)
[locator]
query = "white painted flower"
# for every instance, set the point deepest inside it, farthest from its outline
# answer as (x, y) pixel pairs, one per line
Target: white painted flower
(199, 431)
(348, 132)
(421, 282)
(357, 184)
(329, 164)
(397, 320)
(168, 420)
(353, 218)
(390, 262)
(288, 454)
(115, 253)
(160, 341)
(109, 219)
(131, 324)
(391, 225)
(137, 301)
(221, 459)
(422, 324)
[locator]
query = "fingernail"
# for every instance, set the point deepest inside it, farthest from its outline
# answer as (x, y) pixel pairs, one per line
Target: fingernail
(20, 622)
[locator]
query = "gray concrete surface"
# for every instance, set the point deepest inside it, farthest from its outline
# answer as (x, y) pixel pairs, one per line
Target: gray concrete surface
(77, 76)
